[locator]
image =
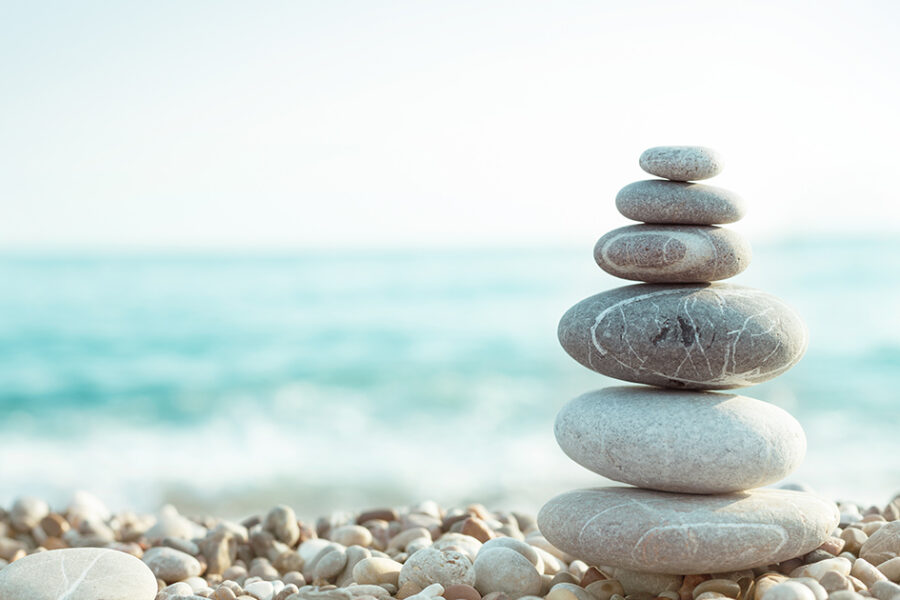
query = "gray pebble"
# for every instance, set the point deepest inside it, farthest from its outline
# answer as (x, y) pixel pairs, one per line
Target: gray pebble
(701, 336)
(672, 253)
(682, 163)
(674, 203)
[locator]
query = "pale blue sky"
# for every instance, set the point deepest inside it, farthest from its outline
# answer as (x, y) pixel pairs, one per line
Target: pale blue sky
(279, 124)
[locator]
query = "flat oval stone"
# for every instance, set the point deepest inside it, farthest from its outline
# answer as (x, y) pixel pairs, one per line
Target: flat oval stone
(78, 574)
(682, 163)
(681, 534)
(680, 441)
(676, 203)
(711, 336)
(672, 253)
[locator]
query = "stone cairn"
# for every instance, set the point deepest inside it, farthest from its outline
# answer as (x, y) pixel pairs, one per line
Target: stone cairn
(694, 455)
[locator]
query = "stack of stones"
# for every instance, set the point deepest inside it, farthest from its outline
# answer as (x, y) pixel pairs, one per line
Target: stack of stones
(694, 455)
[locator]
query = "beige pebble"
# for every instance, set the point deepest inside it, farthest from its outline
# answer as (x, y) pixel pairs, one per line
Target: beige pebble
(261, 590)
(845, 595)
(871, 527)
(352, 535)
(539, 541)
(814, 586)
(865, 572)
(710, 596)
(459, 542)
(519, 546)
(853, 539)
(281, 522)
(331, 564)
(818, 569)
(765, 582)
(883, 544)
(726, 587)
(885, 590)
(377, 571)
(171, 565)
(223, 593)
(568, 591)
(606, 589)
(891, 568)
(402, 539)
(833, 545)
(789, 590)
(834, 581)
(503, 569)
(355, 554)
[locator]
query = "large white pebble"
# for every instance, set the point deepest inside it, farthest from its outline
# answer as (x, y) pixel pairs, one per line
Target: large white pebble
(505, 570)
(78, 574)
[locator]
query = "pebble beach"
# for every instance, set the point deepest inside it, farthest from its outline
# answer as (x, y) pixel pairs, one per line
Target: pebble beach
(82, 551)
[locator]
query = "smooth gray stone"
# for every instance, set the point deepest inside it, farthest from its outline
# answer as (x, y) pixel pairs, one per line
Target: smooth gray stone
(680, 441)
(676, 203)
(682, 163)
(710, 336)
(672, 253)
(683, 534)
(78, 574)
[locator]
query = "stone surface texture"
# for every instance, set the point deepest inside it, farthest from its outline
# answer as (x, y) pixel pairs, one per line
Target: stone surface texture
(672, 253)
(680, 441)
(663, 532)
(701, 336)
(675, 203)
(682, 163)
(882, 545)
(78, 574)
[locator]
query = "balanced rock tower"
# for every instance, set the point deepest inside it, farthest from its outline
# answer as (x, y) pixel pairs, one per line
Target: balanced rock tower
(695, 456)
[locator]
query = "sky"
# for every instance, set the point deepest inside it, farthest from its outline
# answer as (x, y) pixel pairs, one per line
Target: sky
(215, 124)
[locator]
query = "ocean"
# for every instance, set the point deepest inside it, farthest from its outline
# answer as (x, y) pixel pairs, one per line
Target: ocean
(229, 382)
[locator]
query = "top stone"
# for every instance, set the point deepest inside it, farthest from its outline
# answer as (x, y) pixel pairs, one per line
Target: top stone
(682, 163)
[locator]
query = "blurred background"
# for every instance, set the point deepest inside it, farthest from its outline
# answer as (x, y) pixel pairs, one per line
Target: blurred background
(315, 253)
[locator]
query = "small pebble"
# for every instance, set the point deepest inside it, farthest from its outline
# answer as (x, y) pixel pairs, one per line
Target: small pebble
(789, 590)
(681, 163)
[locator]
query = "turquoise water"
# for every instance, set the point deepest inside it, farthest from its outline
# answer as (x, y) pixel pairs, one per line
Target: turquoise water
(347, 379)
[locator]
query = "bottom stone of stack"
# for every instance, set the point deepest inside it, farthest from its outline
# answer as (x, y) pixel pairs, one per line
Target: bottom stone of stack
(665, 532)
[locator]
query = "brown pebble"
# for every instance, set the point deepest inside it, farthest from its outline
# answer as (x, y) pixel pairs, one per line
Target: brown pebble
(382, 514)
(451, 520)
(590, 576)
(833, 545)
(787, 566)
(461, 591)
(478, 529)
(54, 525)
